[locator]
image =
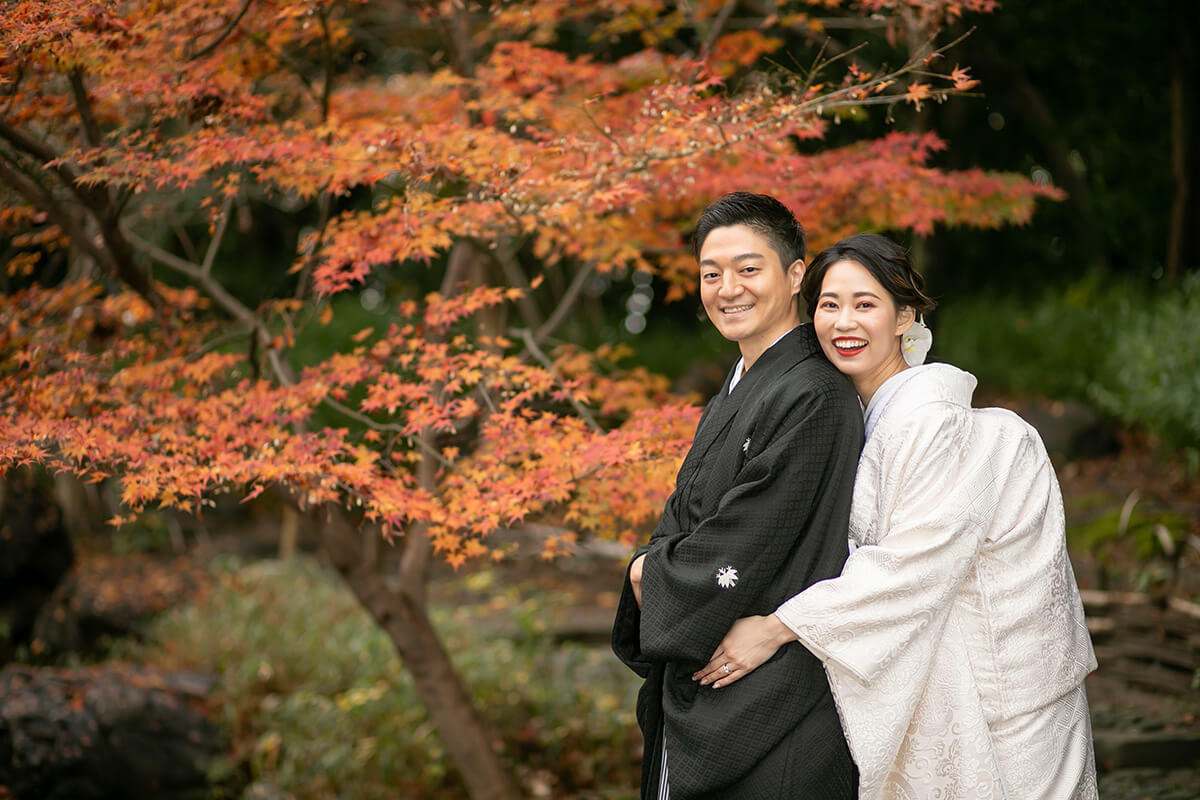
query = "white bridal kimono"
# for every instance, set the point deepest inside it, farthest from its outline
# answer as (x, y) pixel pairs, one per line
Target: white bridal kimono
(954, 639)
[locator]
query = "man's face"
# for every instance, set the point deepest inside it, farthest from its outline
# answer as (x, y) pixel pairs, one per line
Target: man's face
(745, 290)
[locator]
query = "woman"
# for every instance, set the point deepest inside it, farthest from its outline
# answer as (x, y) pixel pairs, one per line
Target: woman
(954, 639)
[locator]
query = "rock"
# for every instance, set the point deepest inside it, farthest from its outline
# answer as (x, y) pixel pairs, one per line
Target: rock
(1162, 749)
(1071, 430)
(103, 733)
(112, 596)
(35, 553)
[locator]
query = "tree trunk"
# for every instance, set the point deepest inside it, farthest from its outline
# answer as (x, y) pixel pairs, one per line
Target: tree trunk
(1181, 235)
(400, 610)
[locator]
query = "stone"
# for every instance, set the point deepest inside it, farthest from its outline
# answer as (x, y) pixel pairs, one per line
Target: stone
(112, 596)
(105, 733)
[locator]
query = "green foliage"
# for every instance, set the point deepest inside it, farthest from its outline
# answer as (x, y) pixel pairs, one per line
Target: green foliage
(321, 707)
(1152, 375)
(146, 534)
(1133, 353)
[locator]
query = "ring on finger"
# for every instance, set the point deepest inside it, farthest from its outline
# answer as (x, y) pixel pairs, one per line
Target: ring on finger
(726, 668)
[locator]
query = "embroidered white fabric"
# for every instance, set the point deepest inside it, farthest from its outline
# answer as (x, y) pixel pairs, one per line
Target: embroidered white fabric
(954, 639)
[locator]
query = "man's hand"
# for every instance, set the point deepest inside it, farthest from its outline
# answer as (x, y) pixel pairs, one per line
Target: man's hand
(748, 645)
(635, 578)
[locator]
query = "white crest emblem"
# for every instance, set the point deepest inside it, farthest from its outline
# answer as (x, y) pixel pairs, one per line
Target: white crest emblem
(746, 445)
(727, 577)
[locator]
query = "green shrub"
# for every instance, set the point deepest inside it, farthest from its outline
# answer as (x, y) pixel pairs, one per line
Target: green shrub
(320, 706)
(1133, 353)
(1152, 375)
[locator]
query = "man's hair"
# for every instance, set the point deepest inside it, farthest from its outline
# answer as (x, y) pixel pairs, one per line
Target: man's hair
(759, 212)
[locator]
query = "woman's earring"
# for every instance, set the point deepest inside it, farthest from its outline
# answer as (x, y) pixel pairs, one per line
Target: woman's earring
(915, 342)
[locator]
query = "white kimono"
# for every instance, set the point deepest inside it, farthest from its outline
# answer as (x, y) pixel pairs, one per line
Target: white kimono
(954, 639)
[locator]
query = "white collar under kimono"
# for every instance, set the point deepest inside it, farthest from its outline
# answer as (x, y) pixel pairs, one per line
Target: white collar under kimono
(737, 368)
(884, 393)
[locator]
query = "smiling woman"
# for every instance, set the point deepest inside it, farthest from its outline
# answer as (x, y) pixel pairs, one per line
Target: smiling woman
(863, 295)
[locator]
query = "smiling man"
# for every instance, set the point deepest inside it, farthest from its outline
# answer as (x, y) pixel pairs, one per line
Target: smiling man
(759, 512)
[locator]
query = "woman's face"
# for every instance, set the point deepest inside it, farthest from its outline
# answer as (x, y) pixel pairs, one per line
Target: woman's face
(859, 326)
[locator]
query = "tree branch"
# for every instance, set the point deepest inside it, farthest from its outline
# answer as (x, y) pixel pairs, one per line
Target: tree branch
(422, 444)
(564, 305)
(503, 257)
(43, 199)
(418, 549)
(211, 254)
(527, 337)
(327, 58)
(718, 26)
(224, 34)
(91, 131)
(324, 212)
(215, 290)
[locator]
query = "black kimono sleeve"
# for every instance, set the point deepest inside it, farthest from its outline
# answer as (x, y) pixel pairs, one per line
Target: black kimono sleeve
(696, 583)
(626, 638)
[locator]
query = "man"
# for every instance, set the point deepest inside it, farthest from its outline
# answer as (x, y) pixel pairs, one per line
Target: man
(759, 512)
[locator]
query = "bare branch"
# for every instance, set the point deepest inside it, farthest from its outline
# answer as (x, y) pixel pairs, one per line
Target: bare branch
(91, 130)
(184, 240)
(211, 254)
(234, 307)
(224, 34)
(422, 443)
(718, 26)
(327, 58)
(43, 199)
(527, 337)
(568, 300)
(513, 275)
(324, 213)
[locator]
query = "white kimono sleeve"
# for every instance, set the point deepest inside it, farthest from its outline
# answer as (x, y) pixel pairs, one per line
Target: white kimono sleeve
(927, 497)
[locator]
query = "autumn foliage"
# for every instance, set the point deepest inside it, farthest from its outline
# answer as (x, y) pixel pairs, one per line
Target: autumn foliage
(594, 162)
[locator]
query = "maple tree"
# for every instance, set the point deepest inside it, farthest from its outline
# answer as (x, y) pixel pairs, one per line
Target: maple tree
(546, 137)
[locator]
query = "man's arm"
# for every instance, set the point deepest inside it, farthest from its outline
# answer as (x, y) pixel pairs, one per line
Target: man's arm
(626, 635)
(696, 583)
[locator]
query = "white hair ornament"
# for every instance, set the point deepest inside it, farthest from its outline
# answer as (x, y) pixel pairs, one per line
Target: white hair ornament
(915, 342)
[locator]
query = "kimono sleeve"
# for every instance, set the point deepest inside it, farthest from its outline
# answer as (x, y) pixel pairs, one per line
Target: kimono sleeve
(696, 583)
(627, 628)
(626, 634)
(892, 600)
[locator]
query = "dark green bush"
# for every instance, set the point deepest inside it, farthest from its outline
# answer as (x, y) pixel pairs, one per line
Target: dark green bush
(1132, 352)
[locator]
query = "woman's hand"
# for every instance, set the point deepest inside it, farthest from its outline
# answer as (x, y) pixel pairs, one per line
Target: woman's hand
(635, 578)
(749, 643)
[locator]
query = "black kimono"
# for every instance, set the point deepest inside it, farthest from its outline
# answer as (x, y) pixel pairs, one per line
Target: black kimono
(759, 512)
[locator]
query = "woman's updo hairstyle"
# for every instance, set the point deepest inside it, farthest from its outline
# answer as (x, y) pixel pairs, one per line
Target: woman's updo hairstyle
(886, 261)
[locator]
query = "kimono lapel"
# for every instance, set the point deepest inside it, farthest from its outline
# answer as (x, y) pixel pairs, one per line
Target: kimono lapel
(796, 345)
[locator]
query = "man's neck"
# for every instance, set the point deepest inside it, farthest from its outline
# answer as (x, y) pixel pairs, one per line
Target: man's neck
(753, 350)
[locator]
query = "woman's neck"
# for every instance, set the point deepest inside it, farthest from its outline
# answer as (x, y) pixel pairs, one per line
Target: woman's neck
(867, 385)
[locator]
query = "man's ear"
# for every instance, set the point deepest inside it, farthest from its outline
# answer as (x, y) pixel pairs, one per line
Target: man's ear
(905, 319)
(795, 273)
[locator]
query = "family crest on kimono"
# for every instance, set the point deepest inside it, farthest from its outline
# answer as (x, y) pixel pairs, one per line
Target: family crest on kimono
(759, 512)
(954, 638)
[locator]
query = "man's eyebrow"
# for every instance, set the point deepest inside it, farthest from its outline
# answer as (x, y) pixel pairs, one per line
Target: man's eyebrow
(708, 262)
